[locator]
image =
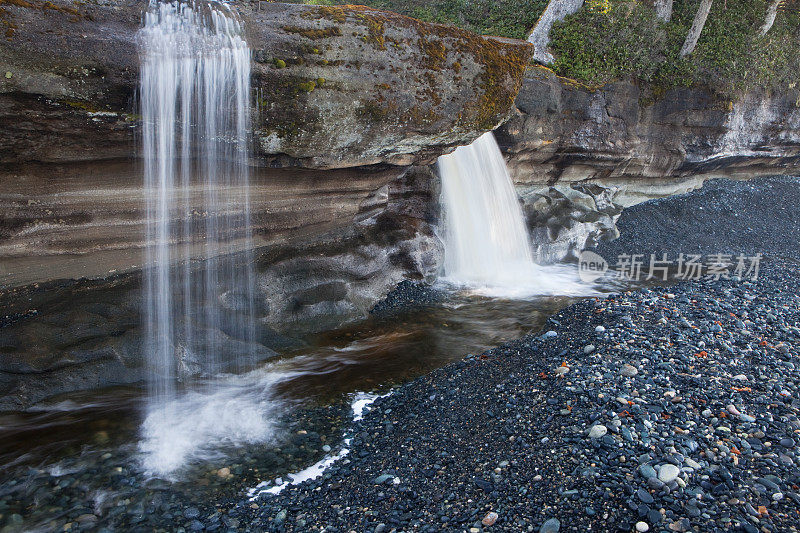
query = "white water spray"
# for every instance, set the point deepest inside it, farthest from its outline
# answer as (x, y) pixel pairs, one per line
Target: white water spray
(487, 247)
(198, 296)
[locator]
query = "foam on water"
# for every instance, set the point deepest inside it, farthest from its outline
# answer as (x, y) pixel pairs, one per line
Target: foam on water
(360, 405)
(203, 423)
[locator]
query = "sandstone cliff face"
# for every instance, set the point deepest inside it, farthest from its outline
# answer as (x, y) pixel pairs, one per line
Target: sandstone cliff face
(578, 155)
(344, 87)
(63, 336)
(564, 132)
(347, 85)
(331, 241)
(334, 86)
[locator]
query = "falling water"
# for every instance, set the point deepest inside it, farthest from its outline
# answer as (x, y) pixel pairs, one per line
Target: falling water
(198, 294)
(487, 247)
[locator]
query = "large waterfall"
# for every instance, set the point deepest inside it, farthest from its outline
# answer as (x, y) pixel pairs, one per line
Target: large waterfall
(198, 285)
(487, 246)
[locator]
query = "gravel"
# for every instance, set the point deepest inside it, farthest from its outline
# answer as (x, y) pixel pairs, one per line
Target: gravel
(671, 455)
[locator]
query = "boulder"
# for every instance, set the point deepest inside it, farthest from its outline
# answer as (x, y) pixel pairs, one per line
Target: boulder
(333, 87)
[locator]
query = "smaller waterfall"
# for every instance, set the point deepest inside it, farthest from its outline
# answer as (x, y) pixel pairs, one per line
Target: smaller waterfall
(487, 246)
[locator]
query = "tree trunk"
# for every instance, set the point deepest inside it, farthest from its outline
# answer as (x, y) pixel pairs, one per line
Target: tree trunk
(663, 9)
(697, 28)
(540, 37)
(769, 20)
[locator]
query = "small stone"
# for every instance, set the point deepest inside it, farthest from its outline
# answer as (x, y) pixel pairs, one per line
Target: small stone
(551, 526)
(224, 472)
(589, 348)
(628, 370)
(561, 370)
(597, 431)
(599, 330)
(647, 471)
(9, 75)
(550, 334)
(668, 473)
(644, 496)
(641, 527)
(191, 512)
(692, 463)
(326, 448)
(489, 519)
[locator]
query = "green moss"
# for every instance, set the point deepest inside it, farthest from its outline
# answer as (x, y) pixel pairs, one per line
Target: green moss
(434, 52)
(307, 86)
(279, 63)
(506, 18)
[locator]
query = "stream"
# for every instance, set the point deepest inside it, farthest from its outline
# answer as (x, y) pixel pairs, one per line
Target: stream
(81, 457)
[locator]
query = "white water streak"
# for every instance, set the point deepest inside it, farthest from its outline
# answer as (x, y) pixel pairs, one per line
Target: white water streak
(194, 90)
(487, 247)
(360, 405)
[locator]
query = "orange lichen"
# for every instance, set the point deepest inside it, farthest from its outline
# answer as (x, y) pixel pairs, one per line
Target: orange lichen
(10, 26)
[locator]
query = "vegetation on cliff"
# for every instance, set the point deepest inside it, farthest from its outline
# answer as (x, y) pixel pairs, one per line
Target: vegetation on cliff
(504, 18)
(615, 39)
(627, 39)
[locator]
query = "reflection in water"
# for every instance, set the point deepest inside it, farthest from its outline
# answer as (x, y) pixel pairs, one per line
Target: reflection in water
(88, 445)
(369, 355)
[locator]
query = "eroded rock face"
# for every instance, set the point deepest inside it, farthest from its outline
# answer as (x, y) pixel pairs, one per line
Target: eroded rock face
(66, 336)
(578, 155)
(564, 132)
(340, 215)
(345, 87)
(565, 219)
(348, 85)
(334, 87)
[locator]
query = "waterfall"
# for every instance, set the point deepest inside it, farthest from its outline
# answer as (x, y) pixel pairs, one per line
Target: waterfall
(486, 243)
(198, 293)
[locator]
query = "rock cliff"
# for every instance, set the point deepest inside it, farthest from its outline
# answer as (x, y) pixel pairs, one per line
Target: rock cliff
(579, 154)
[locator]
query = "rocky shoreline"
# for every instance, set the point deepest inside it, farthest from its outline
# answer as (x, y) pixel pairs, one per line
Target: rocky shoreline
(669, 409)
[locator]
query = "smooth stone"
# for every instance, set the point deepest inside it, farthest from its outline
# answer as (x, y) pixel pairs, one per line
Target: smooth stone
(642, 527)
(589, 348)
(647, 471)
(551, 526)
(668, 473)
(644, 496)
(599, 330)
(628, 370)
(597, 431)
(489, 519)
(692, 463)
